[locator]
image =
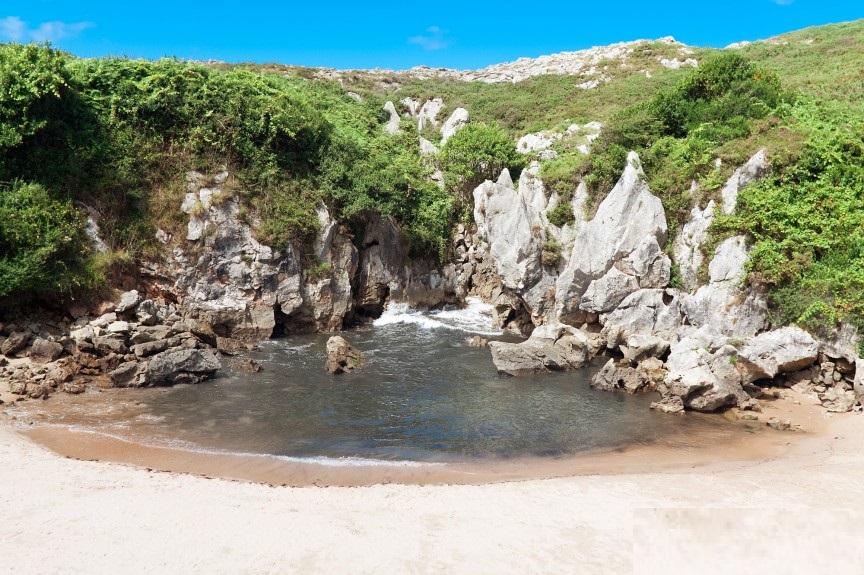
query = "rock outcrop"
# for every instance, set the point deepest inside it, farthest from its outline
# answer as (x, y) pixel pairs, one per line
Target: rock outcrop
(342, 357)
(392, 126)
(724, 303)
(628, 220)
(553, 347)
(457, 120)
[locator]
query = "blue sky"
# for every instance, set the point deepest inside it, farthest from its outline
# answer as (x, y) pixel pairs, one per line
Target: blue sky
(396, 35)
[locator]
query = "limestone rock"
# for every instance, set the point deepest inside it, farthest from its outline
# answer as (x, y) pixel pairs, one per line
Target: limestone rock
(688, 244)
(648, 312)
(503, 218)
(119, 327)
(604, 294)
(342, 357)
(535, 142)
(16, 341)
(628, 215)
(154, 347)
(427, 148)
(551, 347)
(382, 265)
(412, 105)
(457, 120)
(723, 303)
(246, 364)
(637, 347)
(93, 233)
(670, 404)
(858, 385)
(44, 351)
(110, 344)
(780, 351)
(623, 376)
(392, 126)
(428, 114)
(755, 168)
(702, 372)
(476, 341)
(126, 375)
(128, 301)
(147, 312)
(184, 366)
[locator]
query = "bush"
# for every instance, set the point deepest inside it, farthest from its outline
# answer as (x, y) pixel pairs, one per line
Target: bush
(477, 152)
(679, 131)
(806, 225)
(562, 215)
(32, 78)
(42, 243)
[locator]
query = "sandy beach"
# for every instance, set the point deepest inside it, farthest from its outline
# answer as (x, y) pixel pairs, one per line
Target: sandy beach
(799, 510)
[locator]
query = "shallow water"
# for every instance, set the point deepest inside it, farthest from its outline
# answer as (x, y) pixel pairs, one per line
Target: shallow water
(423, 395)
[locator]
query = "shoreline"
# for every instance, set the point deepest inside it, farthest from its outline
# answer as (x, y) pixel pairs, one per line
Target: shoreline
(740, 444)
(797, 508)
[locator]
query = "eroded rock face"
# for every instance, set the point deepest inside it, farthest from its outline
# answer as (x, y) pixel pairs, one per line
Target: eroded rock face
(628, 215)
(688, 244)
(780, 351)
(504, 219)
(342, 357)
(551, 347)
(724, 304)
(382, 265)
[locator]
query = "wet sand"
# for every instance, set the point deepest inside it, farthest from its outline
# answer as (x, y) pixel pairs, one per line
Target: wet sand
(720, 444)
(795, 507)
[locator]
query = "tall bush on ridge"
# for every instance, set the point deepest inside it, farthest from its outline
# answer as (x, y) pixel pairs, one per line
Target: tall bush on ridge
(476, 153)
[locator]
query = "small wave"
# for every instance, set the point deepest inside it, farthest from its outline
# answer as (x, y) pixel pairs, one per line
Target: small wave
(178, 444)
(352, 461)
(475, 317)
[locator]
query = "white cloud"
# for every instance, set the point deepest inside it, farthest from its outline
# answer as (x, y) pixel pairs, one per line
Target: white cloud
(435, 39)
(783, 2)
(12, 28)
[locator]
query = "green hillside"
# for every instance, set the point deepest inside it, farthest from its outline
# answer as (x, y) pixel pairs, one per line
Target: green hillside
(118, 136)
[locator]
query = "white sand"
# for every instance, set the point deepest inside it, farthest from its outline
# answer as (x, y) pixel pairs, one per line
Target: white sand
(800, 513)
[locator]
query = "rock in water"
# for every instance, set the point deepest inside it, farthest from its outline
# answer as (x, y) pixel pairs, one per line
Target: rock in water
(552, 347)
(342, 357)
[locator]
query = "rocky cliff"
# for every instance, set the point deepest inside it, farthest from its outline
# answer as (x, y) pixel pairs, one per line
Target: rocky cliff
(594, 286)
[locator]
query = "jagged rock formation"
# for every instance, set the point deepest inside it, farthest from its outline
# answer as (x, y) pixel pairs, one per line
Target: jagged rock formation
(705, 350)
(628, 221)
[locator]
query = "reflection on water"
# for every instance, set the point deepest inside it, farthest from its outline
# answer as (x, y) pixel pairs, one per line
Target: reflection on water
(422, 395)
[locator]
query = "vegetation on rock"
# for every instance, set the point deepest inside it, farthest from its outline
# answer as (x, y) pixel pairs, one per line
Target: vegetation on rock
(118, 135)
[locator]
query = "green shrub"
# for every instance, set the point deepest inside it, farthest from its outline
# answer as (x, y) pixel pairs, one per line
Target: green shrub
(806, 225)
(32, 79)
(477, 152)
(562, 215)
(42, 243)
